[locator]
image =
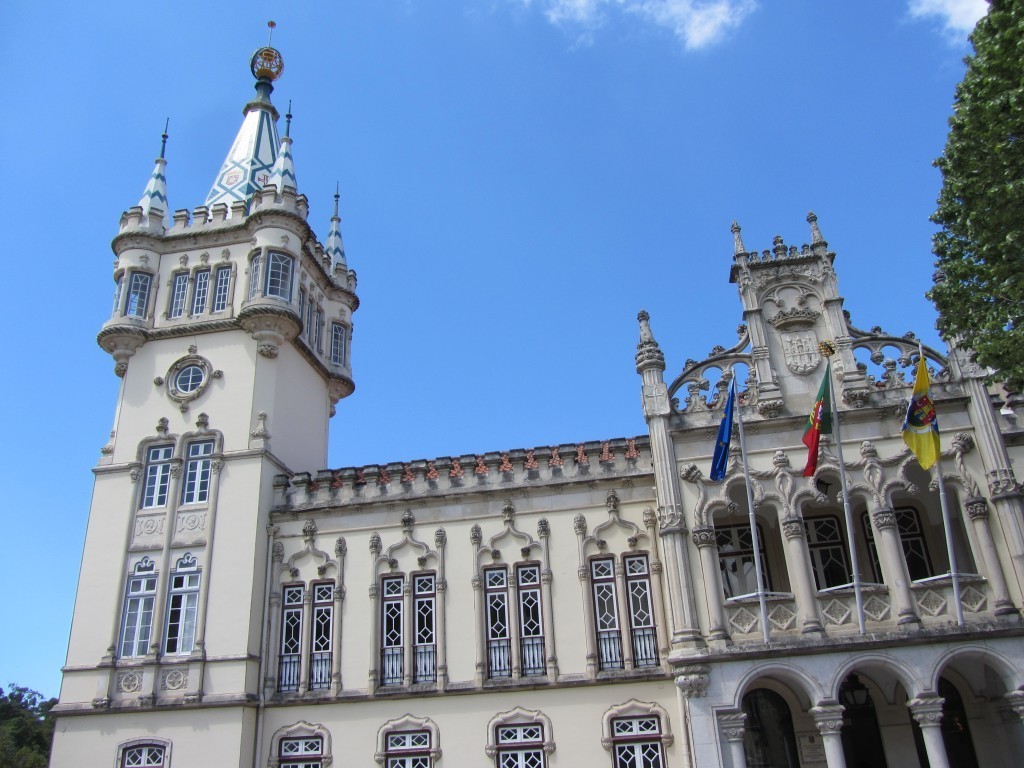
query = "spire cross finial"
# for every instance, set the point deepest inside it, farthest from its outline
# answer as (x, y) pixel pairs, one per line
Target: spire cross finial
(337, 187)
(288, 120)
(163, 138)
(737, 240)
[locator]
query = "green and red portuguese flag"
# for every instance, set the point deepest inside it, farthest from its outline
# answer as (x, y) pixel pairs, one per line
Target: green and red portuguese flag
(819, 422)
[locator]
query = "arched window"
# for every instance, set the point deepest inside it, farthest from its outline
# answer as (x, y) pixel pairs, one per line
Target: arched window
(636, 733)
(408, 742)
(768, 737)
(915, 550)
(144, 753)
(302, 745)
(520, 738)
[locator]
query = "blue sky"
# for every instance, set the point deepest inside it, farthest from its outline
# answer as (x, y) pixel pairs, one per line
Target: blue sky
(518, 179)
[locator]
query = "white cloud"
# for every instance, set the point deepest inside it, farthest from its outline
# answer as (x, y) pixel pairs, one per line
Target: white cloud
(697, 23)
(958, 17)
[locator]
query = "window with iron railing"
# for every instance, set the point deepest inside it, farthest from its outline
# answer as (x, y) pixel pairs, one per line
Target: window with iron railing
(290, 660)
(531, 634)
(641, 611)
(606, 616)
(499, 654)
(424, 641)
(320, 644)
(392, 651)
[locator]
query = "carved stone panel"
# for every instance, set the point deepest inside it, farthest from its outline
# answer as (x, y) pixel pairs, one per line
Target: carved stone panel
(800, 350)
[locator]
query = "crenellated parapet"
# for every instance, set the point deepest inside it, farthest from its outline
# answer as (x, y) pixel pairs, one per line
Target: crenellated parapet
(557, 466)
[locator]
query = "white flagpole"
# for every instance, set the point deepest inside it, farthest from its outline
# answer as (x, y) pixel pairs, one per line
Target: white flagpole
(947, 525)
(850, 532)
(948, 529)
(762, 600)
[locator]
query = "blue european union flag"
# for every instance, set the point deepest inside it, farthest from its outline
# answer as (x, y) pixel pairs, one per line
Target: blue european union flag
(720, 460)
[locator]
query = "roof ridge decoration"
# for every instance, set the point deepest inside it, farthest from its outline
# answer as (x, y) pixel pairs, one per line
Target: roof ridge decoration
(252, 156)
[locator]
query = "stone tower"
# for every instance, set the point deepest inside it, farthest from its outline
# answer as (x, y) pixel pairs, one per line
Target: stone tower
(230, 332)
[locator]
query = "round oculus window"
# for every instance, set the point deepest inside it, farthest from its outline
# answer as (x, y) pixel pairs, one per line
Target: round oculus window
(189, 379)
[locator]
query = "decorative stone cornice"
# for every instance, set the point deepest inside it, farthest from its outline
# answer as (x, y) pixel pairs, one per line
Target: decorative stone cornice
(693, 680)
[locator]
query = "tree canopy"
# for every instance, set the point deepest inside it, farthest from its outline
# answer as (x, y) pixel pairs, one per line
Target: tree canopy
(26, 728)
(979, 288)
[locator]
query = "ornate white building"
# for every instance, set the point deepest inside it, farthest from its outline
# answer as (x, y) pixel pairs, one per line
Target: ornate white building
(584, 604)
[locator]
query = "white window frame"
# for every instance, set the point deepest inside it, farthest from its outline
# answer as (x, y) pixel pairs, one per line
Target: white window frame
(290, 660)
(278, 281)
(319, 331)
(157, 476)
(179, 292)
(392, 631)
(640, 601)
(300, 752)
(818, 546)
(339, 334)
(604, 594)
(508, 743)
(735, 550)
(144, 753)
(424, 628)
(200, 291)
(304, 333)
(620, 739)
(255, 272)
(400, 743)
(198, 476)
(301, 732)
(182, 606)
(496, 618)
(530, 613)
(137, 614)
(321, 636)
(118, 288)
(140, 285)
(221, 288)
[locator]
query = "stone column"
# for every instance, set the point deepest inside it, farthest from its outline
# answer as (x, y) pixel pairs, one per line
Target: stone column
(657, 591)
(894, 568)
(731, 725)
(650, 364)
(408, 631)
(374, 681)
(801, 581)
(625, 624)
(339, 599)
(691, 682)
(977, 511)
(305, 660)
(441, 621)
(274, 620)
(718, 629)
(579, 525)
(546, 577)
(927, 711)
(481, 627)
(1004, 490)
(514, 654)
(829, 719)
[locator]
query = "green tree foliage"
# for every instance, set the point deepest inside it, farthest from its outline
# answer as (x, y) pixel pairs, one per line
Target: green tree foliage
(26, 728)
(980, 291)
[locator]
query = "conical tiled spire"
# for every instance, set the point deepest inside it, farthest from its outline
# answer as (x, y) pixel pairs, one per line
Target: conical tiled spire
(154, 199)
(283, 173)
(335, 247)
(251, 159)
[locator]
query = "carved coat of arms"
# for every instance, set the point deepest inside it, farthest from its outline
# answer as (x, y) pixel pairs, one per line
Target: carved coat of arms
(800, 349)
